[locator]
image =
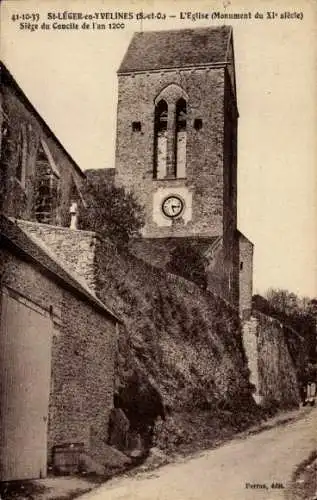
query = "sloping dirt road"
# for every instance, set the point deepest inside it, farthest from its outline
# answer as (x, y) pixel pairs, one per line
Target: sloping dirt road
(257, 467)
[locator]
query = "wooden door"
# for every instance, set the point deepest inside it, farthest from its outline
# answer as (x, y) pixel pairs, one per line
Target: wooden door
(25, 364)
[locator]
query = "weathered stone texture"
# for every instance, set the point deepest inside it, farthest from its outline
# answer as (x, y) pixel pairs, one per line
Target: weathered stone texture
(82, 369)
(207, 157)
(277, 377)
(22, 132)
(204, 162)
(158, 252)
(272, 370)
(246, 274)
(82, 377)
(26, 280)
(121, 283)
(250, 344)
(76, 248)
(100, 175)
(230, 243)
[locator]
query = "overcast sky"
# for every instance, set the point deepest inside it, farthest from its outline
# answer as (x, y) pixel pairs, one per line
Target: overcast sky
(70, 77)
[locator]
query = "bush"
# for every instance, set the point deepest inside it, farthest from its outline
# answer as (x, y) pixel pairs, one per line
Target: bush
(110, 211)
(188, 261)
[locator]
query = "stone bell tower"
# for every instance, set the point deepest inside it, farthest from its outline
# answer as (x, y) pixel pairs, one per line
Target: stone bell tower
(176, 143)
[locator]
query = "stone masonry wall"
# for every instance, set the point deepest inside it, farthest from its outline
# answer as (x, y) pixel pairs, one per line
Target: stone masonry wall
(83, 350)
(82, 377)
(231, 249)
(21, 121)
(158, 251)
(246, 276)
(75, 247)
(204, 162)
(78, 249)
(250, 344)
(277, 376)
(164, 317)
(271, 368)
(28, 281)
(209, 188)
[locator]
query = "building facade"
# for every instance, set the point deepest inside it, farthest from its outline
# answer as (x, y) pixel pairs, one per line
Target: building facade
(58, 345)
(39, 179)
(177, 144)
(58, 341)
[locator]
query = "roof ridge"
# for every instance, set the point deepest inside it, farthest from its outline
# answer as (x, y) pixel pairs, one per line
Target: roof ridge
(198, 28)
(13, 82)
(168, 49)
(71, 278)
(59, 260)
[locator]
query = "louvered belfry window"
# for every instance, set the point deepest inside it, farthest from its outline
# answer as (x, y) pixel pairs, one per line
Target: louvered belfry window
(170, 134)
(160, 138)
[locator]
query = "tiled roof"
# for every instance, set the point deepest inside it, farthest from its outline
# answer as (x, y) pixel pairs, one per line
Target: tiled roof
(176, 48)
(34, 250)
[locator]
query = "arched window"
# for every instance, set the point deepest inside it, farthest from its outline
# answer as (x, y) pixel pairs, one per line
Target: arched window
(170, 135)
(180, 138)
(160, 140)
(21, 156)
(46, 185)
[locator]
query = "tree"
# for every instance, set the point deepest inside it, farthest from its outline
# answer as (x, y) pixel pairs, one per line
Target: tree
(188, 260)
(299, 316)
(110, 211)
(283, 301)
(312, 308)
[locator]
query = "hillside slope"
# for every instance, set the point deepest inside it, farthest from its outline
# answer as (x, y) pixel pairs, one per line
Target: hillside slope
(180, 353)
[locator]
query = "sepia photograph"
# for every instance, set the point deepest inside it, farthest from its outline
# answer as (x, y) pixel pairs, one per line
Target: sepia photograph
(158, 257)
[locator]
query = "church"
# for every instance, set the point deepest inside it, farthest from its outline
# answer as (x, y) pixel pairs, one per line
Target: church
(176, 149)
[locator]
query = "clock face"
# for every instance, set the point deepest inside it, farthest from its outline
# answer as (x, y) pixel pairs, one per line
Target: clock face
(172, 206)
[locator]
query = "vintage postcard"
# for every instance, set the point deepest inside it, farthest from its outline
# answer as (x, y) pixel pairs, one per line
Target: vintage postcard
(158, 260)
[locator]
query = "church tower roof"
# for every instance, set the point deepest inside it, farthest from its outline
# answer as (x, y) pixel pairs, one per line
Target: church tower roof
(157, 50)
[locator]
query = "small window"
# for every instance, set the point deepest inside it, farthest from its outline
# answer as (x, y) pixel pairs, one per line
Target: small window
(241, 266)
(198, 124)
(136, 126)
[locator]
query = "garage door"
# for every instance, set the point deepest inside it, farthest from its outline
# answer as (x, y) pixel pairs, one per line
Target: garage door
(25, 362)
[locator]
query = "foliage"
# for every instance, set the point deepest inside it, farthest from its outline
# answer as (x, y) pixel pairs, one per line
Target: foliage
(282, 300)
(289, 303)
(298, 316)
(110, 211)
(312, 308)
(188, 261)
(179, 350)
(303, 484)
